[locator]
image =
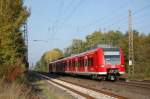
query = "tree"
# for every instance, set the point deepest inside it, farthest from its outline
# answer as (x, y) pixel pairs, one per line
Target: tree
(76, 47)
(12, 47)
(12, 16)
(47, 57)
(94, 39)
(112, 37)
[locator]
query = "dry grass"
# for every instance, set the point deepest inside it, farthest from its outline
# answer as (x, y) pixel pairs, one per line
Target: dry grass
(15, 91)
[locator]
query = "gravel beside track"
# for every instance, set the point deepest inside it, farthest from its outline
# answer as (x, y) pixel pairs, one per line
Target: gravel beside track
(135, 84)
(83, 91)
(130, 92)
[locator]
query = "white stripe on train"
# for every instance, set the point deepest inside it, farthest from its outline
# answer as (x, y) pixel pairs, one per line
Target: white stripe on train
(88, 73)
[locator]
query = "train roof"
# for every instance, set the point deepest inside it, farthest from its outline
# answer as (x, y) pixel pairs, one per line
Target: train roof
(85, 53)
(77, 55)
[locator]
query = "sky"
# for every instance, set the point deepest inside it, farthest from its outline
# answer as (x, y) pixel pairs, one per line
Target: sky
(55, 23)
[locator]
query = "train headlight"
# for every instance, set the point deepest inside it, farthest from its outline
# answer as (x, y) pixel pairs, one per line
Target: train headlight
(102, 65)
(122, 65)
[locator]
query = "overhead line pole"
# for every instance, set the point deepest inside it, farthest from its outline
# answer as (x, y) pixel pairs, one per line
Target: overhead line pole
(131, 51)
(26, 41)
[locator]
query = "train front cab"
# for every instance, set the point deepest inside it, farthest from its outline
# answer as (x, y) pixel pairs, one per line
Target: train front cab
(111, 61)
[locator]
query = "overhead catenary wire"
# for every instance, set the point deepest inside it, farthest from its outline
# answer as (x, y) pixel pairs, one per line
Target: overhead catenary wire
(104, 18)
(58, 16)
(68, 6)
(55, 29)
(124, 18)
(68, 17)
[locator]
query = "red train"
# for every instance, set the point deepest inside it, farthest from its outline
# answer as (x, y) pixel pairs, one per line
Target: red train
(107, 63)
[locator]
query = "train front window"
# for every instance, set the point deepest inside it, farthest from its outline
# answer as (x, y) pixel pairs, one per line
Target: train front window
(112, 56)
(113, 59)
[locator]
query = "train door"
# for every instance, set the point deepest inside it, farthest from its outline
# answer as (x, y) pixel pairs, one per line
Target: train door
(81, 64)
(54, 67)
(90, 64)
(70, 64)
(63, 66)
(73, 64)
(85, 64)
(67, 67)
(76, 64)
(50, 68)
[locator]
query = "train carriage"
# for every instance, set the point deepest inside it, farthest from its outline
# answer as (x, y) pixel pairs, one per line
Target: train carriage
(98, 63)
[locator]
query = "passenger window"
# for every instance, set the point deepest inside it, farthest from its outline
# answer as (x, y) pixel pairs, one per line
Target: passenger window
(85, 62)
(90, 61)
(79, 63)
(73, 63)
(76, 63)
(70, 63)
(82, 62)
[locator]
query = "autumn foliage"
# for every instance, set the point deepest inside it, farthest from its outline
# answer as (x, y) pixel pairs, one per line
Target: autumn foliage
(13, 15)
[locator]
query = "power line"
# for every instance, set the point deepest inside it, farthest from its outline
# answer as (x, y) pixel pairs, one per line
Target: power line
(113, 12)
(141, 9)
(59, 14)
(124, 18)
(145, 26)
(72, 11)
(69, 15)
(68, 6)
(67, 18)
(54, 30)
(134, 13)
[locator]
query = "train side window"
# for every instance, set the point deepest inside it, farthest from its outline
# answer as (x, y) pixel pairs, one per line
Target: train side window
(85, 62)
(68, 63)
(76, 63)
(79, 62)
(73, 63)
(90, 61)
(65, 64)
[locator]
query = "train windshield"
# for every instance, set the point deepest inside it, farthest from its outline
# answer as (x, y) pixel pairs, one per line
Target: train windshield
(112, 55)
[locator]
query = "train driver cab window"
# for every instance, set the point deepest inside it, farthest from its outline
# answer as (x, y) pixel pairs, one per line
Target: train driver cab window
(90, 61)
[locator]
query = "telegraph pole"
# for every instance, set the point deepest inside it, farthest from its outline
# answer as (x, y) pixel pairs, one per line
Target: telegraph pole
(104, 35)
(131, 51)
(25, 30)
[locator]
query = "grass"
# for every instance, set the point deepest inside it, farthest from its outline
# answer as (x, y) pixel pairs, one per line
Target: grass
(43, 89)
(15, 91)
(52, 92)
(31, 86)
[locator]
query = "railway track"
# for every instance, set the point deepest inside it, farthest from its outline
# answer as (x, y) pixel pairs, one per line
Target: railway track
(80, 92)
(135, 84)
